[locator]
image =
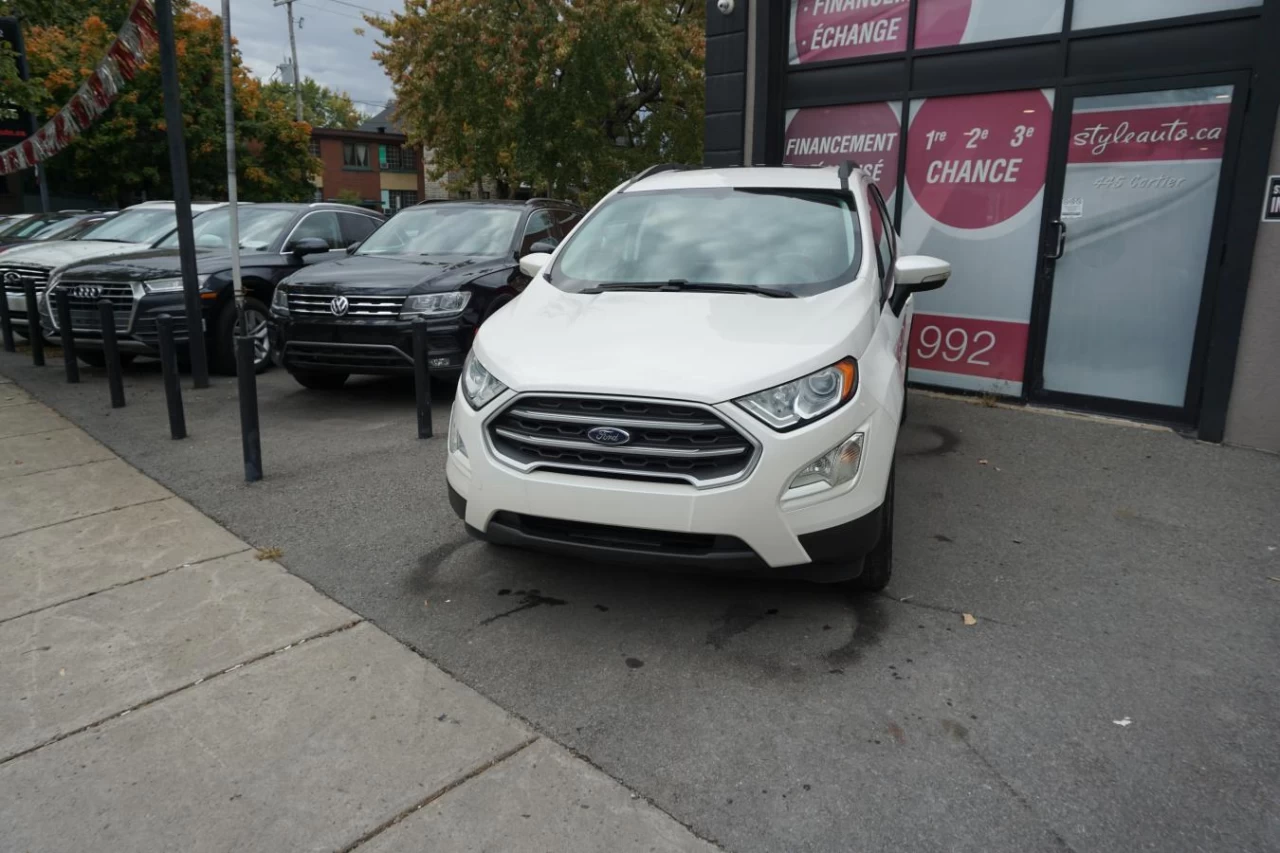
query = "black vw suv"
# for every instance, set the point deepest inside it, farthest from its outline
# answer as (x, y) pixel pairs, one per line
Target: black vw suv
(452, 262)
(275, 240)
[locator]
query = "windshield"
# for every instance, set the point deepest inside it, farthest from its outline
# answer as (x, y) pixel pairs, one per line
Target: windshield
(800, 240)
(445, 229)
(259, 227)
(140, 225)
(29, 227)
(64, 230)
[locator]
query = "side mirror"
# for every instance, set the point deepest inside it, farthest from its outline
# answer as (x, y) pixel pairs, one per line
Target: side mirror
(351, 250)
(308, 246)
(532, 263)
(545, 246)
(916, 274)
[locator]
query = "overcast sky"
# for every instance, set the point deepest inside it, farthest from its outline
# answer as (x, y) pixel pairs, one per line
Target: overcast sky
(328, 49)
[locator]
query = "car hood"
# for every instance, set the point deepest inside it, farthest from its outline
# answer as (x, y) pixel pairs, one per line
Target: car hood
(57, 253)
(397, 275)
(140, 265)
(705, 347)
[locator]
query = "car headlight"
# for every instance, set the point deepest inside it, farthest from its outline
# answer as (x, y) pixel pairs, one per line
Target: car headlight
(280, 301)
(838, 465)
(479, 386)
(169, 285)
(424, 304)
(806, 399)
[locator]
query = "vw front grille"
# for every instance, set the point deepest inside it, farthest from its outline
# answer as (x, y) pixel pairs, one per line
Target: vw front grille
(310, 302)
(84, 297)
(666, 441)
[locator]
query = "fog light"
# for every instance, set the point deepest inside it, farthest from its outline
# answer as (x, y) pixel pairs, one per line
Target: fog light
(836, 466)
(456, 445)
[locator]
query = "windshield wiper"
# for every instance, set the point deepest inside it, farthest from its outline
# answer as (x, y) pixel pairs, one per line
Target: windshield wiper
(678, 284)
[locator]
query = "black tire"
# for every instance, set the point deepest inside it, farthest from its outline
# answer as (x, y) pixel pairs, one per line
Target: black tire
(877, 566)
(317, 381)
(223, 347)
(98, 358)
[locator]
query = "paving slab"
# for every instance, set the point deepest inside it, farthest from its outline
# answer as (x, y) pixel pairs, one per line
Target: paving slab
(81, 662)
(12, 395)
(540, 799)
(54, 564)
(309, 749)
(29, 418)
(28, 454)
(50, 497)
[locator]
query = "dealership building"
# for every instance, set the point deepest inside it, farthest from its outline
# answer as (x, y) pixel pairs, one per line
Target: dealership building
(1103, 176)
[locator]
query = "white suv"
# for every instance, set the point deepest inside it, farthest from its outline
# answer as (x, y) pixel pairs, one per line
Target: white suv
(709, 371)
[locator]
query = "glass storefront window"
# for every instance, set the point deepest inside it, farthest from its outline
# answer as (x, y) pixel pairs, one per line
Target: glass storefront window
(1106, 13)
(941, 23)
(976, 167)
(869, 134)
(845, 29)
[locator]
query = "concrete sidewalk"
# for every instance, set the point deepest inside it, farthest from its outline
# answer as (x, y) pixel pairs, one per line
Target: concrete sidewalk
(163, 688)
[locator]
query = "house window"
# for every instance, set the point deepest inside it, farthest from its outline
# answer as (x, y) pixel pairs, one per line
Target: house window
(400, 199)
(314, 147)
(355, 155)
(398, 158)
(464, 193)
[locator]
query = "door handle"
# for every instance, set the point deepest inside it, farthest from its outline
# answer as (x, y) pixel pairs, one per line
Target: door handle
(1061, 242)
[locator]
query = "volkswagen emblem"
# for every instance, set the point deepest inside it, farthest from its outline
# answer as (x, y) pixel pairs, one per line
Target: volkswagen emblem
(12, 278)
(86, 291)
(339, 306)
(608, 435)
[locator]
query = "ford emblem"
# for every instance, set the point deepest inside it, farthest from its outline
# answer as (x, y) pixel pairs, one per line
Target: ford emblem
(608, 435)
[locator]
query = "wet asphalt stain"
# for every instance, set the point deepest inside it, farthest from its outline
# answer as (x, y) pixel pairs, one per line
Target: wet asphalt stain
(737, 619)
(602, 608)
(870, 617)
(420, 581)
(634, 663)
(533, 598)
(948, 441)
(942, 538)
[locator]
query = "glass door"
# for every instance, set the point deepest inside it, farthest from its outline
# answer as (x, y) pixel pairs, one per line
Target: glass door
(1131, 244)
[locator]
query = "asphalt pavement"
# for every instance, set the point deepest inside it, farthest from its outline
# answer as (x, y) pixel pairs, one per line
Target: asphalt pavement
(1116, 691)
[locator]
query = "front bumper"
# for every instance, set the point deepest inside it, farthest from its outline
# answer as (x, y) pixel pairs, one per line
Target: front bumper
(743, 526)
(137, 329)
(368, 346)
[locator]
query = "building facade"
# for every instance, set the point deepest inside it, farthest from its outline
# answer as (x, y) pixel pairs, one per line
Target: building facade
(383, 171)
(1095, 171)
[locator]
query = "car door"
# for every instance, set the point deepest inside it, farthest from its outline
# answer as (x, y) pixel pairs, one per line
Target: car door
(319, 223)
(892, 329)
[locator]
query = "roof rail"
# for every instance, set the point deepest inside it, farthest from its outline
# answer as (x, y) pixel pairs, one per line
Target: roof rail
(846, 168)
(653, 170)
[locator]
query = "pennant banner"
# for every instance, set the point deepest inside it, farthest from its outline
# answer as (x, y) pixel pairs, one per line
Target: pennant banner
(136, 39)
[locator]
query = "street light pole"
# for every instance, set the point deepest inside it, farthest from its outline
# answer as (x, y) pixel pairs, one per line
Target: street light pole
(181, 193)
(293, 50)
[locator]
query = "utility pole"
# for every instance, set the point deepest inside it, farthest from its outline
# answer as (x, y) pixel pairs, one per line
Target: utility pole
(181, 193)
(293, 49)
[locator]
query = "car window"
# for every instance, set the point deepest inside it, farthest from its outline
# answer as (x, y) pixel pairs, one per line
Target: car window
(356, 228)
(566, 220)
(539, 227)
(322, 224)
(29, 227)
(446, 229)
(886, 250)
(259, 227)
(136, 225)
(806, 241)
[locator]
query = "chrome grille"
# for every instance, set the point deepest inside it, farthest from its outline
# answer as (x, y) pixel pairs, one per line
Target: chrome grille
(83, 297)
(363, 305)
(37, 275)
(668, 441)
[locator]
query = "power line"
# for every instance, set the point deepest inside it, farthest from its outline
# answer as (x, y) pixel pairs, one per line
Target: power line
(329, 11)
(357, 6)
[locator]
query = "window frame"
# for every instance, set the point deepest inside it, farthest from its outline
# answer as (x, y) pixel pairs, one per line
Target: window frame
(887, 276)
(284, 247)
(352, 146)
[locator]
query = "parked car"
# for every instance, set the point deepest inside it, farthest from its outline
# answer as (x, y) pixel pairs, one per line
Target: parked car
(133, 228)
(451, 262)
(275, 240)
(26, 229)
(71, 226)
(710, 371)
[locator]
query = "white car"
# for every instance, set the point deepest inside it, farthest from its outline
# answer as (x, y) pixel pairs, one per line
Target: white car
(133, 229)
(710, 371)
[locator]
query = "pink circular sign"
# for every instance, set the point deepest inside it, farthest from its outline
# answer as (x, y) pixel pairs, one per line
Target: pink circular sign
(941, 23)
(840, 29)
(868, 134)
(976, 160)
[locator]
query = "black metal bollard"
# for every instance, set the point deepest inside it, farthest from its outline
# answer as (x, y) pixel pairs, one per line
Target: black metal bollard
(68, 336)
(34, 335)
(247, 380)
(6, 322)
(111, 351)
(421, 377)
(172, 387)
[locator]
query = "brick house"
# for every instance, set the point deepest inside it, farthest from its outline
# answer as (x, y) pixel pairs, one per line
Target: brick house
(373, 161)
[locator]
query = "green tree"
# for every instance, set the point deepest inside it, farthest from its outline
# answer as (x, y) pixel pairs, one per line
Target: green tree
(321, 106)
(125, 153)
(569, 96)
